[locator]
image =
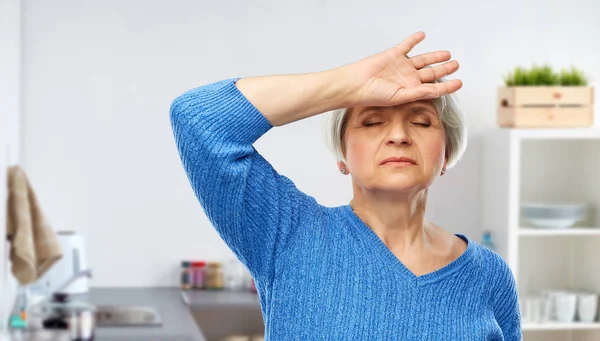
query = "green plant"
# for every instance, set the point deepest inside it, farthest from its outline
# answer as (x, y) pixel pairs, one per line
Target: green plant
(572, 77)
(545, 76)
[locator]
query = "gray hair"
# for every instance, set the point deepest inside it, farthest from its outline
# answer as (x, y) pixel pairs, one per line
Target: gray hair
(452, 118)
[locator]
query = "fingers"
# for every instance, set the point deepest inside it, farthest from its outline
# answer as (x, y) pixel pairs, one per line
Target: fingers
(448, 87)
(430, 58)
(430, 74)
(410, 42)
(426, 91)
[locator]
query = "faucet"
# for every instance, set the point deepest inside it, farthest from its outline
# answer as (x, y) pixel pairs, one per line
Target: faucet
(76, 276)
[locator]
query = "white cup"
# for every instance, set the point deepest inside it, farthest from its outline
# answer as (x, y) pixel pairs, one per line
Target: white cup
(566, 306)
(547, 312)
(550, 296)
(536, 309)
(587, 307)
(531, 309)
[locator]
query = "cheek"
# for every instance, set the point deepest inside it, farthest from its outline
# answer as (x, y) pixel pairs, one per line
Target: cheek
(358, 150)
(436, 149)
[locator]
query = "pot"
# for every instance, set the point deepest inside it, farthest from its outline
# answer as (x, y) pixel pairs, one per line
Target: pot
(60, 313)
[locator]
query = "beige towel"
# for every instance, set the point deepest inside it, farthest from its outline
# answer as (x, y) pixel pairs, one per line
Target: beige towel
(34, 244)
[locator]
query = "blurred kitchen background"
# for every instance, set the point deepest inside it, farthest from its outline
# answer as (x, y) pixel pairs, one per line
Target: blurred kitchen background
(85, 90)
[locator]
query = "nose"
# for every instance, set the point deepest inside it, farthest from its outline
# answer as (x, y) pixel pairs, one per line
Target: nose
(398, 135)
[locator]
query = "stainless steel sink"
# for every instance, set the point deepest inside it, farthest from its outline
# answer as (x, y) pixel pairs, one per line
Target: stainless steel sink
(109, 316)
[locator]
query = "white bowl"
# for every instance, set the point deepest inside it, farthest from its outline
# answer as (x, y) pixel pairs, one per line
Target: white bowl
(553, 216)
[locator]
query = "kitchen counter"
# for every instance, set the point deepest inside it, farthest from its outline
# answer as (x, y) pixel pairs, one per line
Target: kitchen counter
(206, 299)
(176, 309)
(178, 323)
(224, 313)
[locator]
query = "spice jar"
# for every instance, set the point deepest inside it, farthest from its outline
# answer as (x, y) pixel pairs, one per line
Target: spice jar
(214, 276)
(234, 273)
(198, 271)
(186, 275)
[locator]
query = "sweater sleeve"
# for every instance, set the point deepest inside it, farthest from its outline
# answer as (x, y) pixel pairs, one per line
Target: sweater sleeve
(254, 209)
(505, 301)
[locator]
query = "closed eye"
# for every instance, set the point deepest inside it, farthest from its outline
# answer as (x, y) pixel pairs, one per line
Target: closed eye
(370, 124)
(422, 124)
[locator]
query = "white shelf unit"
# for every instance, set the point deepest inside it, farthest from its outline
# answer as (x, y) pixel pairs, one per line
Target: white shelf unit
(560, 326)
(545, 165)
(574, 232)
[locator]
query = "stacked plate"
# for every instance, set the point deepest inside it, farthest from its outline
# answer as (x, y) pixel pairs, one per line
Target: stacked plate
(553, 216)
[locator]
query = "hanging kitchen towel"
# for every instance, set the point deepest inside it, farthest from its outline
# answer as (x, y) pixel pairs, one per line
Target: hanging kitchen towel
(34, 244)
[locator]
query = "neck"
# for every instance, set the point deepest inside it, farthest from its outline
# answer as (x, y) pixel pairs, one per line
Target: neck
(398, 219)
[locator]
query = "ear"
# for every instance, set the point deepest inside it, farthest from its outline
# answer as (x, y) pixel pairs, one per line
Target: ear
(444, 167)
(342, 168)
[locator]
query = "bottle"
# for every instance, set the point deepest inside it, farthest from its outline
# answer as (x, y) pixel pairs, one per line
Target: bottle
(487, 240)
(234, 272)
(186, 275)
(214, 276)
(198, 274)
(18, 318)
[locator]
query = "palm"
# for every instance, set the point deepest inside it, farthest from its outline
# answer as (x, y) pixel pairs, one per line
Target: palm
(391, 78)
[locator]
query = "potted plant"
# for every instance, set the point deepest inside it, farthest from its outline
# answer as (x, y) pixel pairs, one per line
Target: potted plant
(539, 97)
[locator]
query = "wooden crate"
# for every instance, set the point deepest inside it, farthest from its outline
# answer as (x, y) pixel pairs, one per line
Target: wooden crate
(545, 106)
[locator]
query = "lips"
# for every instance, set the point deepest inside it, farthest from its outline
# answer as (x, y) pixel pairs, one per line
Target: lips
(401, 159)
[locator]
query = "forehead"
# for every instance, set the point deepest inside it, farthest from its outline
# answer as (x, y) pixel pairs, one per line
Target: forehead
(413, 107)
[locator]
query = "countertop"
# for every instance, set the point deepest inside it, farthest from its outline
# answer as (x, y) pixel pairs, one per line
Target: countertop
(206, 299)
(174, 306)
(178, 323)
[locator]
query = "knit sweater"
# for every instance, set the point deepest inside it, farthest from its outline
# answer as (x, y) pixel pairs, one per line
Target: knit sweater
(321, 273)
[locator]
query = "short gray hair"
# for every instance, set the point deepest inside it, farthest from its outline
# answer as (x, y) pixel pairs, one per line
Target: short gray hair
(452, 118)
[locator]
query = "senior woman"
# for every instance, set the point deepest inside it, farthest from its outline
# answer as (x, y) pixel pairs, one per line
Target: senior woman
(374, 269)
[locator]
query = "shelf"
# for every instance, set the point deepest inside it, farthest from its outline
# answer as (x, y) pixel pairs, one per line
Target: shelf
(573, 231)
(556, 134)
(560, 326)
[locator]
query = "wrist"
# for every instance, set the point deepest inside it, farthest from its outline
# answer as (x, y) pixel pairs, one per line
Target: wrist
(338, 89)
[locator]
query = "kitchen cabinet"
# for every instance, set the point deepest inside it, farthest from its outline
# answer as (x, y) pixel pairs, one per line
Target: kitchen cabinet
(546, 166)
(223, 313)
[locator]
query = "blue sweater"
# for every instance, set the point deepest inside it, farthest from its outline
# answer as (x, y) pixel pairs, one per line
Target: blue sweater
(321, 272)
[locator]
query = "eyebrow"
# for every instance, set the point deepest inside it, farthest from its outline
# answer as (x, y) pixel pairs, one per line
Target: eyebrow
(417, 108)
(420, 108)
(369, 110)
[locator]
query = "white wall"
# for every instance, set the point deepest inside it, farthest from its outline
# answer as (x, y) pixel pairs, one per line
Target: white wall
(10, 104)
(99, 77)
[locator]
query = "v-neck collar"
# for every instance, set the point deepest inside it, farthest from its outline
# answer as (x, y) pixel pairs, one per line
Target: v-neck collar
(379, 246)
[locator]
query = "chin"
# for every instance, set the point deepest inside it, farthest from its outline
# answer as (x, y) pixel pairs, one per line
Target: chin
(401, 186)
(403, 182)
